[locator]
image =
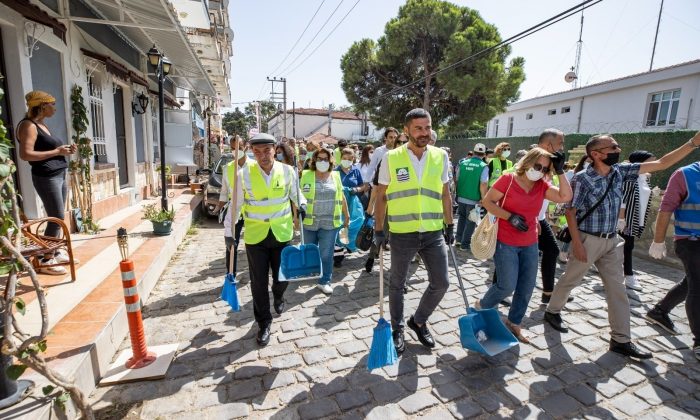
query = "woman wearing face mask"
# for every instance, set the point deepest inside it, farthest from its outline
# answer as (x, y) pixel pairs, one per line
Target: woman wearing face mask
(232, 236)
(366, 172)
(353, 187)
(500, 163)
(516, 199)
(284, 154)
(326, 210)
(636, 199)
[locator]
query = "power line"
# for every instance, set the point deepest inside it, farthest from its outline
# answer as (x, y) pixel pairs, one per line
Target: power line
(313, 39)
(298, 39)
(324, 39)
(530, 31)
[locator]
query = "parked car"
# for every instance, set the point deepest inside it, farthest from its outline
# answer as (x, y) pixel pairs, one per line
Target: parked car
(211, 193)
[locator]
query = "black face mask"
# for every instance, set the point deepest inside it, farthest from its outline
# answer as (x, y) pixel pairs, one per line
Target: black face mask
(611, 159)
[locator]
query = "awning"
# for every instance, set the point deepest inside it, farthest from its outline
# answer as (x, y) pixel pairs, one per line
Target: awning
(146, 23)
(35, 14)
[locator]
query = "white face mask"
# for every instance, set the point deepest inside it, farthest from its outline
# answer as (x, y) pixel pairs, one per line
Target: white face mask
(533, 174)
(241, 154)
(505, 153)
(346, 163)
(370, 154)
(322, 166)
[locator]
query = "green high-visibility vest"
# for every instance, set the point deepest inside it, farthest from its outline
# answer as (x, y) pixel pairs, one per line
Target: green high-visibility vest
(308, 189)
(415, 205)
(469, 179)
(265, 206)
(498, 169)
(228, 170)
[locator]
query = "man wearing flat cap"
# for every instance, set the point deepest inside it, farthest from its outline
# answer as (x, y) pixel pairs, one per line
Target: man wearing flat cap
(264, 189)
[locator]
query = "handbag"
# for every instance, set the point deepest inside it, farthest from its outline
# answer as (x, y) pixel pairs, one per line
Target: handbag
(364, 238)
(564, 235)
(485, 236)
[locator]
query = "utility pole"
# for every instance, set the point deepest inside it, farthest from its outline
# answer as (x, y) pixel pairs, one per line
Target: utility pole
(656, 36)
(579, 47)
(294, 121)
(330, 118)
(275, 97)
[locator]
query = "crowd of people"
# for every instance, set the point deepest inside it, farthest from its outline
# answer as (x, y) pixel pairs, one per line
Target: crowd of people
(548, 211)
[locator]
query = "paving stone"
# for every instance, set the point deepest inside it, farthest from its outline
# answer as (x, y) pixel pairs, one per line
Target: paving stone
(629, 404)
(629, 376)
(325, 389)
(449, 392)
(318, 408)
(653, 394)
(293, 394)
(352, 399)
(385, 412)
(351, 347)
(609, 388)
(286, 362)
(417, 402)
(387, 391)
(465, 409)
(517, 392)
(278, 379)
(240, 390)
(315, 341)
(341, 364)
(559, 405)
(583, 394)
(321, 355)
(490, 401)
(228, 411)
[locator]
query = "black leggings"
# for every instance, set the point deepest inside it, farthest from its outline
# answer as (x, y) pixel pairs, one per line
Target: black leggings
(629, 247)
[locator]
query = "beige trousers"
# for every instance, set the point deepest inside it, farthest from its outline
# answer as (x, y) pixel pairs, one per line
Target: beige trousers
(607, 255)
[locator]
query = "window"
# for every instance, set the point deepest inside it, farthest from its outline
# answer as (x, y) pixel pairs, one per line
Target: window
(566, 110)
(495, 128)
(663, 108)
(552, 112)
(510, 126)
(528, 116)
(97, 119)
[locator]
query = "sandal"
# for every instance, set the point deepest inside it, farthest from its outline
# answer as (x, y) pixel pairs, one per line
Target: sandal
(517, 332)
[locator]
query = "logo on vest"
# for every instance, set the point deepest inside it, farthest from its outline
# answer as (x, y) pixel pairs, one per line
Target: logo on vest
(402, 174)
(306, 188)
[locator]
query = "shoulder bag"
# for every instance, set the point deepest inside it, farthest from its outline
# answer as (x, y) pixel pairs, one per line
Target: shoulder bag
(564, 235)
(485, 236)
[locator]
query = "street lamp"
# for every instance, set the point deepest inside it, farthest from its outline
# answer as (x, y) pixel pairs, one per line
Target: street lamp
(161, 65)
(207, 112)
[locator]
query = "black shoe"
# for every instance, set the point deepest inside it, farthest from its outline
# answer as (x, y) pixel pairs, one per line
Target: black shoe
(263, 335)
(279, 306)
(661, 319)
(555, 321)
(423, 334)
(546, 298)
(628, 349)
(368, 265)
(337, 263)
(506, 302)
(399, 343)
(405, 290)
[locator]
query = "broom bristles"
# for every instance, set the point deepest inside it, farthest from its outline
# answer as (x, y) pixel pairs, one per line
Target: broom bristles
(229, 292)
(382, 352)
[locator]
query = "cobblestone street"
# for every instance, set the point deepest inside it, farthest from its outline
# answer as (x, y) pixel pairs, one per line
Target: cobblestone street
(315, 364)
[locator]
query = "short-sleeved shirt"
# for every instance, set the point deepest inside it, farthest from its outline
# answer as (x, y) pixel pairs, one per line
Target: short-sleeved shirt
(527, 204)
(352, 179)
(676, 193)
(589, 186)
(418, 166)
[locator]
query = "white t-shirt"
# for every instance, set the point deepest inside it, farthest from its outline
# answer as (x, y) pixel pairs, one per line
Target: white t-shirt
(377, 157)
(418, 166)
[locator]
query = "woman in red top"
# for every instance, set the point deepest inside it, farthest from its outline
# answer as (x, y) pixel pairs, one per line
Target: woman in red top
(516, 199)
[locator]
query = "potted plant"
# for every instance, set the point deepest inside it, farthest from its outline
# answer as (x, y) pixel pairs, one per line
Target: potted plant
(162, 220)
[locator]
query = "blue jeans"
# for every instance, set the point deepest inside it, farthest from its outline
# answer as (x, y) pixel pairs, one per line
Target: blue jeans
(516, 267)
(465, 227)
(325, 239)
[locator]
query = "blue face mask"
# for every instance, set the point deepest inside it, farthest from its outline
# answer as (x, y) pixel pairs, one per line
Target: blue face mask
(280, 157)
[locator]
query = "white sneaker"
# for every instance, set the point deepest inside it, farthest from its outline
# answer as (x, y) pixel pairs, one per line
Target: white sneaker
(62, 257)
(632, 283)
(325, 288)
(53, 271)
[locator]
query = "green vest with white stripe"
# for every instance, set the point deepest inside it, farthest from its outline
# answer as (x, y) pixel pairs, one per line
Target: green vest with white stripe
(265, 206)
(414, 205)
(498, 169)
(308, 182)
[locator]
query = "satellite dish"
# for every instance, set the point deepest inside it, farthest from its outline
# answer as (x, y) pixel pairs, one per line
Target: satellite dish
(570, 77)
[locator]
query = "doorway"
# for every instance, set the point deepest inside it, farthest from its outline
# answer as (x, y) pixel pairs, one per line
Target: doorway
(5, 113)
(120, 128)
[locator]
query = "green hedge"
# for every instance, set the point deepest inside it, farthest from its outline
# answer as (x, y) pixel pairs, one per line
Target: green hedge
(657, 143)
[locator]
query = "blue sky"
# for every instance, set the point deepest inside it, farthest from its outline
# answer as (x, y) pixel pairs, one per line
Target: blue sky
(617, 41)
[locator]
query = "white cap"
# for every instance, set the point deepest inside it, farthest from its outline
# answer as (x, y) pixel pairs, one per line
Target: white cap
(479, 148)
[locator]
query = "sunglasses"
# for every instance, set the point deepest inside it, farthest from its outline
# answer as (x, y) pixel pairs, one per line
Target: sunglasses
(543, 169)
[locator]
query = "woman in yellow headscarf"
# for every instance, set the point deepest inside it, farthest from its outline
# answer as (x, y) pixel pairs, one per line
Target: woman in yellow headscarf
(47, 156)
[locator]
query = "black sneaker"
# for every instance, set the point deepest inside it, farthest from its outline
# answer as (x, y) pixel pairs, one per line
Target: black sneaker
(399, 343)
(422, 332)
(629, 350)
(368, 265)
(556, 322)
(661, 319)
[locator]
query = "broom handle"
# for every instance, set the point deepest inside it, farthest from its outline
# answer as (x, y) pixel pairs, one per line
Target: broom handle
(459, 277)
(301, 222)
(232, 210)
(381, 282)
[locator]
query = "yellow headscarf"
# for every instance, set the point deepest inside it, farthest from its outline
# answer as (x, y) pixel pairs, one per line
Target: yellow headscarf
(37, 97)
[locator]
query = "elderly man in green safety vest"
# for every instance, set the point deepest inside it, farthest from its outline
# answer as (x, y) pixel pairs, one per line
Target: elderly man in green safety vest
(413, 192)
(264, 189)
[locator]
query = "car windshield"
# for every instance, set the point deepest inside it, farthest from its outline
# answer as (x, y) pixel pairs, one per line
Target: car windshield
(223, 161)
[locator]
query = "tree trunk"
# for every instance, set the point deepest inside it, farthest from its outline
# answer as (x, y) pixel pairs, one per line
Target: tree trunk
(428, 79)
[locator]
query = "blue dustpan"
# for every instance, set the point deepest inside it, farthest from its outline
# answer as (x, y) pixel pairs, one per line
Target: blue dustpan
(300, 262)
(482, 330)
(229, 292)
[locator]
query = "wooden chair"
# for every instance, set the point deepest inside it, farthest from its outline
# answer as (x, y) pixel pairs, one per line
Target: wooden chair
(35, 245)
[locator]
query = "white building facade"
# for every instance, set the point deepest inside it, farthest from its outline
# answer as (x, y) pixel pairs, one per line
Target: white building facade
(303, 122)
(660, 100)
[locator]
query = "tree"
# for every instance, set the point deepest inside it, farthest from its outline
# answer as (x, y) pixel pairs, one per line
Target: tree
(267, 110)
(426, 36)
(236, 122)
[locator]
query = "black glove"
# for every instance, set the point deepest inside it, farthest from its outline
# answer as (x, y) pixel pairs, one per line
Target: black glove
(449, 234)
(518, 222)
(302, 212)
(379, 238)
(558, 162)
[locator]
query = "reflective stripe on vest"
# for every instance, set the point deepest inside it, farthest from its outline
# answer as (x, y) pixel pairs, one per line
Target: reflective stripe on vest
(308, 178)
(265, 206)
(469, 181)
(414, 205)
(498, 170)
(687, 215)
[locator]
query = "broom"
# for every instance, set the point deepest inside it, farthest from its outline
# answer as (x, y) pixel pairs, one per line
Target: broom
(382, 352)
(229, 292)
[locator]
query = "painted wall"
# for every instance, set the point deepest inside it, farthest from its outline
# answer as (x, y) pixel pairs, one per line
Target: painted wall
(307, 125)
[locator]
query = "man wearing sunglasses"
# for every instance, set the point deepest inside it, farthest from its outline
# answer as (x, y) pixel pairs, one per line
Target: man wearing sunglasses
(598, 192)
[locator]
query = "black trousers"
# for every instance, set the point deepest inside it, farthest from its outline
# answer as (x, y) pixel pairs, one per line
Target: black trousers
(629, 247)
(688, 252)
(264, 257)
(674, 297)
(233, 242)
(547, 243)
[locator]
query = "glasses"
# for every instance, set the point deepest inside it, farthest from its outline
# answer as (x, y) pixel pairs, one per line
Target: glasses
(320, 159)
(543, 169)
(614, 147)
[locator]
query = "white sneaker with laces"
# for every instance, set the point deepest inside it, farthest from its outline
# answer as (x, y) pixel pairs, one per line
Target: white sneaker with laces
(632, 283)
(62, 257)
(325, 288)
(53, 271)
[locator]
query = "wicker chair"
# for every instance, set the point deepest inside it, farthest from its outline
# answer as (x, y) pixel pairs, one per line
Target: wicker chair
(36, 245)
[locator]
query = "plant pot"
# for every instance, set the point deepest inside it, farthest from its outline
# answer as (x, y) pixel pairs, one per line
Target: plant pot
(162, 228)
